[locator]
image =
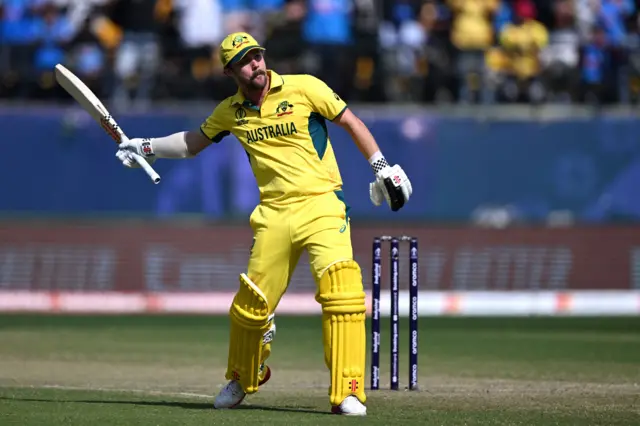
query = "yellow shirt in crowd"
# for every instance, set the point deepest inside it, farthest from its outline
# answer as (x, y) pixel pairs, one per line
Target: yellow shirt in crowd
(522, 44)
(472, 28)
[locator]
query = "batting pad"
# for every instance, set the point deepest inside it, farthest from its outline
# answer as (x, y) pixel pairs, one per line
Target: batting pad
(341, 295)
(249, 315)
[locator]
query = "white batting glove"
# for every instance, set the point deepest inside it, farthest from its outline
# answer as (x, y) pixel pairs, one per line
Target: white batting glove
(375, 193)
(391, 184)
(140, 146)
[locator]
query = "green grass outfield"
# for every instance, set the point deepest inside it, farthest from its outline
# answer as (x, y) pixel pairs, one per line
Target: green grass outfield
(164, 370)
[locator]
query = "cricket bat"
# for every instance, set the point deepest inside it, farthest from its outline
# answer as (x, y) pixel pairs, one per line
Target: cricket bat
(90, 102)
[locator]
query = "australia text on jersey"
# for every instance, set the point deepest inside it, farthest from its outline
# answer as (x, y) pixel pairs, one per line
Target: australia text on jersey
(271, 132)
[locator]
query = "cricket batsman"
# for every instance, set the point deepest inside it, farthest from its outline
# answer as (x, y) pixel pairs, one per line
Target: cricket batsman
(281, 121)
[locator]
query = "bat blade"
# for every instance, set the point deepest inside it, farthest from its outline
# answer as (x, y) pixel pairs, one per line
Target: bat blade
(96, 109)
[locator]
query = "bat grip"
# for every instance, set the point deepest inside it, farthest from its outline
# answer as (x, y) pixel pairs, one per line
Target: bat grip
(155, 177)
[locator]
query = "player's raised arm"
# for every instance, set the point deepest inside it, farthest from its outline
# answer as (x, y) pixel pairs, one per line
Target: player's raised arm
(186, 144)
(178, 145)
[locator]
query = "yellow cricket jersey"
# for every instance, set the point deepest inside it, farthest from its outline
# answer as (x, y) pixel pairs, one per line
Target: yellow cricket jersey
(286, 138)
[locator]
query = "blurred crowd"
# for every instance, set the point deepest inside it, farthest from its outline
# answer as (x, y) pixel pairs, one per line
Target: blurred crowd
(133, 52)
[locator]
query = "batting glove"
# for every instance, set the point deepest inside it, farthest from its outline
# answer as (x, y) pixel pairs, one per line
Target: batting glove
(139, 146)
(391, 184)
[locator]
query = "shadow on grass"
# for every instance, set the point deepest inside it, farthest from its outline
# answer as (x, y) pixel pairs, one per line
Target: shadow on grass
(173, 404)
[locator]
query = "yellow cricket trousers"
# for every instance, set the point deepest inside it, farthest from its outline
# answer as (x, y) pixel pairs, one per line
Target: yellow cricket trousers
(319, 224)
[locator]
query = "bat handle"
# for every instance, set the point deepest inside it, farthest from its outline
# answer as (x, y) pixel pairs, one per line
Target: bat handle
(155, 177)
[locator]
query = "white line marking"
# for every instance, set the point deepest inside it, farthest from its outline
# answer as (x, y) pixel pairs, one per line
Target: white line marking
(114, 390)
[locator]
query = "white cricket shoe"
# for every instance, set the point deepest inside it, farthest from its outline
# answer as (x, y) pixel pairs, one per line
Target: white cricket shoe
(350, 406)
(230, 396)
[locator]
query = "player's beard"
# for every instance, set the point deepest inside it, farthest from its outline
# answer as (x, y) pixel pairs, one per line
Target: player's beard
(255, 82)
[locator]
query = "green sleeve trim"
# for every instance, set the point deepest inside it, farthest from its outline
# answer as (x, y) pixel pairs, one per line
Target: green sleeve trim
(338, 114)
(218, 137)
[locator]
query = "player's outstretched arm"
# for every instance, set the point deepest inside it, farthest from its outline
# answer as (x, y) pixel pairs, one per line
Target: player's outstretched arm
(178, 145)
(392, 183)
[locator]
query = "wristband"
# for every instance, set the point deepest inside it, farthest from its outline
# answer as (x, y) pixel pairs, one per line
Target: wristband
(378, 162)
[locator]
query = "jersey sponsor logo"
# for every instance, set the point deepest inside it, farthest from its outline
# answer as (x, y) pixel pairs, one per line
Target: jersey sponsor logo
(284, 108)
(335, 95)
(271, 132)
(241, 115)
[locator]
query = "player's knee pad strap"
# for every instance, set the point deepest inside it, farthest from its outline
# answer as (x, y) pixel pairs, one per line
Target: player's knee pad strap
(340, 292)
(250, 326)
(267, 338)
